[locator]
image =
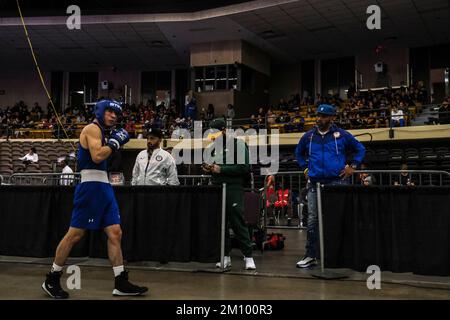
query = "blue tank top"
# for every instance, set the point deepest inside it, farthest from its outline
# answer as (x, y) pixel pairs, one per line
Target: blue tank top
(84, 159)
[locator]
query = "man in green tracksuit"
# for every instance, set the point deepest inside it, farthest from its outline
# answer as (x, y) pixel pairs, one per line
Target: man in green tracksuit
(232, 167)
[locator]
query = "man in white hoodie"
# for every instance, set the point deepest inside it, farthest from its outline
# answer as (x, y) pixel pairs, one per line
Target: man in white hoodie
(154, 166)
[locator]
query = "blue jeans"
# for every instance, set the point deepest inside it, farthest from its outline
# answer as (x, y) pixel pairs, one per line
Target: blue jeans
(312, 238)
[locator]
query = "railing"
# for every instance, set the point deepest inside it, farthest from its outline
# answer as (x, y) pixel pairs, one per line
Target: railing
(194, 180)
(282, 212)
(291, 211)
(413, 177)
(45, 179)
(1, 180)
(199, 180)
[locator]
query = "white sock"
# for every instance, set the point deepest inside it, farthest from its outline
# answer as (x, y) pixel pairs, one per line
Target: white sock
(56, 268)
(118, 270)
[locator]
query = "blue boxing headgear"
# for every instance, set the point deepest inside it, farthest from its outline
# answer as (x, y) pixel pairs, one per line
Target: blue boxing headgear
(326, 109)
(102, 106)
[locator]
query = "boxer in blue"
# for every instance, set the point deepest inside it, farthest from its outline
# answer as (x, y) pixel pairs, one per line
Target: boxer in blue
(94, 205)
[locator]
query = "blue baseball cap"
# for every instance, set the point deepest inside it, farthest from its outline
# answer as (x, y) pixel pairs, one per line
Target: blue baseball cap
(326, 109)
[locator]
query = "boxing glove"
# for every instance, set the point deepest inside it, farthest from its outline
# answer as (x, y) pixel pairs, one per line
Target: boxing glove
(118, 138)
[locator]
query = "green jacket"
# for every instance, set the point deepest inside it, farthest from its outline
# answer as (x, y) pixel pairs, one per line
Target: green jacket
(232, 173)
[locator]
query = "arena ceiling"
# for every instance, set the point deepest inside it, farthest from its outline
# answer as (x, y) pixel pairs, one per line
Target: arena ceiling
(289, 30)
(35, 8)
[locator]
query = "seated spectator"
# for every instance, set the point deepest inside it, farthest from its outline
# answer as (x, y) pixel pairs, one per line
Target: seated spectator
(351, 90)
(67, 173)
(318, 100)
(30, 157)
(310, 112)
(130, 127)
(254, 122)
(271, 117)
(444, 113)
(300, 122)
(397, 119)
(405, 178)
(261, 121)
(81, 118)
(230, 115)
(210, 114)
(261, 113)
(366, 179)
(371, 120)
(284, 118)
(202, 115)
(283, 105)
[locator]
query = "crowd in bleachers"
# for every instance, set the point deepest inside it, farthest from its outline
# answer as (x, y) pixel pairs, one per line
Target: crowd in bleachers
(361, 109)
(20, 119)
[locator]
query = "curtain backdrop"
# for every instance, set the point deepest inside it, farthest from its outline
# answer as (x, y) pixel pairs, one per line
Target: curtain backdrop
(159, 223)
(400, 229)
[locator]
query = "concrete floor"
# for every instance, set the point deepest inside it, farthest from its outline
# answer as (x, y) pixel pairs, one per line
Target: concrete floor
(276, 278)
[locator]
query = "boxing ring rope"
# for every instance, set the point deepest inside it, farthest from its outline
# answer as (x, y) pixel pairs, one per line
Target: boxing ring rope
(38, 69)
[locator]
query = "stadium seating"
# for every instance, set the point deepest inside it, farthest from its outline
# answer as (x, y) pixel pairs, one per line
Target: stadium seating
(48, 152)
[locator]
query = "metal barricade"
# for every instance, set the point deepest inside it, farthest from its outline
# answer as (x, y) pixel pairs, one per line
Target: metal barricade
(201, 180)
(286, 205)
(401, 177)
(195, 180)
(48, 179)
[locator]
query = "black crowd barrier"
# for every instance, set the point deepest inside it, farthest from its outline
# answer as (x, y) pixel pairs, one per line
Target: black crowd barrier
(163, 224)
(400, 229)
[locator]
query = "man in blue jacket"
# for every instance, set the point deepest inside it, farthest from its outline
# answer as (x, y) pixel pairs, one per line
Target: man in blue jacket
(322, 154)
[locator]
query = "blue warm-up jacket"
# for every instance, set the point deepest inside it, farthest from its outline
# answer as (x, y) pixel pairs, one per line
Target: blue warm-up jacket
(325, 157)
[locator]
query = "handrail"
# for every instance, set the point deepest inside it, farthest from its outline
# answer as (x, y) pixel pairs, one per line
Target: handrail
(44, 178)
(200, 178)
(194, 176)
(398, 173)
(295, 181)
(403, 171)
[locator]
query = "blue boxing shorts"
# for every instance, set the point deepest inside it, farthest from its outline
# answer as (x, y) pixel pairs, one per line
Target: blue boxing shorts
(94, 206)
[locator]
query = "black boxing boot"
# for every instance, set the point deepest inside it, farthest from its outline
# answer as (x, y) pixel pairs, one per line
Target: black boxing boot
(125, 288)
(52, 286)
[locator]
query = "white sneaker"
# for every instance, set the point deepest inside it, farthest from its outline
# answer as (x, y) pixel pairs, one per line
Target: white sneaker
(306, 262)
(226, 261)
(249, 264)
